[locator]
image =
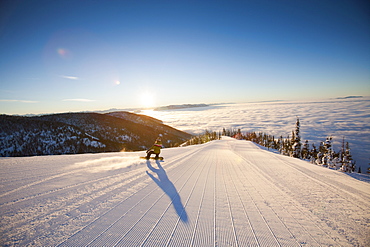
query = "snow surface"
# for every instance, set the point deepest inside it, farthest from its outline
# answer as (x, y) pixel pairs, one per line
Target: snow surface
(222, 193)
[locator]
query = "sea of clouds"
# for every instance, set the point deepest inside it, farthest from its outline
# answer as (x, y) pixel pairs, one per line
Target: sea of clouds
(348, 118)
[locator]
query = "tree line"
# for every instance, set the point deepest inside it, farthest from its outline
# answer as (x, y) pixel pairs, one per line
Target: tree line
(323, 155)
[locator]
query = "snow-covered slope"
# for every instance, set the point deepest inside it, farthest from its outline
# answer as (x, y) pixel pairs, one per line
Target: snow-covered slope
(223, 193)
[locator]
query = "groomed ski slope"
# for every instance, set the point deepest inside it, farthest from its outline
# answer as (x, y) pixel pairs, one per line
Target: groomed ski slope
(223, 193)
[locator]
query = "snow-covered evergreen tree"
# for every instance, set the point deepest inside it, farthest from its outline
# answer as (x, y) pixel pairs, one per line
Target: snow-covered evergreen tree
(281, 144)
(341, 153)
(306, 150)
(328, 153)
(286, 147)
(319, 158)
(296, 141)
(313, 153)
(347, 161)
(337, 162)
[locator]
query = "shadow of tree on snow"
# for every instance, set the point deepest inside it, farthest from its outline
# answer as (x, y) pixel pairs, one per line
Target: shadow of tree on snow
(167, 186)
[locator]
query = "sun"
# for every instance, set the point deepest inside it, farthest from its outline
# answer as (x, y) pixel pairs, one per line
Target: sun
(147, 99)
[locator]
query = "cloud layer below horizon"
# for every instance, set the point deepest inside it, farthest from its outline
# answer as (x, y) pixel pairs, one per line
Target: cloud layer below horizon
(348, 118)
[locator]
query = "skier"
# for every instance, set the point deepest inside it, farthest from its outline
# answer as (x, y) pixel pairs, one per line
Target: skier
(155, 149)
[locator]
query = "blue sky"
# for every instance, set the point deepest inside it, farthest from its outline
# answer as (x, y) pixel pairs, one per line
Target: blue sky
(60, 56)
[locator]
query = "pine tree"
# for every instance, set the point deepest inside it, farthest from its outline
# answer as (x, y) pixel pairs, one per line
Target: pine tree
(319, 158)
(296, 140)
(305, 150)
(313, 153)
(341, 154)
(287, 147)
(348, 163)
(281, 144)
(328, 153)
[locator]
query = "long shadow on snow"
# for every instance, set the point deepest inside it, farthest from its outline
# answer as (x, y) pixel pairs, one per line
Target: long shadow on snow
(167, 186)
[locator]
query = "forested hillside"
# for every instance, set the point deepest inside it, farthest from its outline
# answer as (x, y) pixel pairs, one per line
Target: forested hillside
(71, 133)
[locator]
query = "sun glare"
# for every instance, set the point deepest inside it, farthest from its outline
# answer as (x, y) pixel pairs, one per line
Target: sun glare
(63, 53)
(147, 99)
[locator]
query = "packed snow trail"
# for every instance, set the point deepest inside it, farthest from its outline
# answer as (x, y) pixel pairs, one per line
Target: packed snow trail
(223, 193)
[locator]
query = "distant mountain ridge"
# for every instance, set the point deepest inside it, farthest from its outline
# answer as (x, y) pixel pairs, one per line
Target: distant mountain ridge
(176, 107)
(350, 97)
(71, 133)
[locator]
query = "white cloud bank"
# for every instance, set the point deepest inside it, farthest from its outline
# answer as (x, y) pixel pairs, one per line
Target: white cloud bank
(20, 101)
(348, 118)
(70, 77)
